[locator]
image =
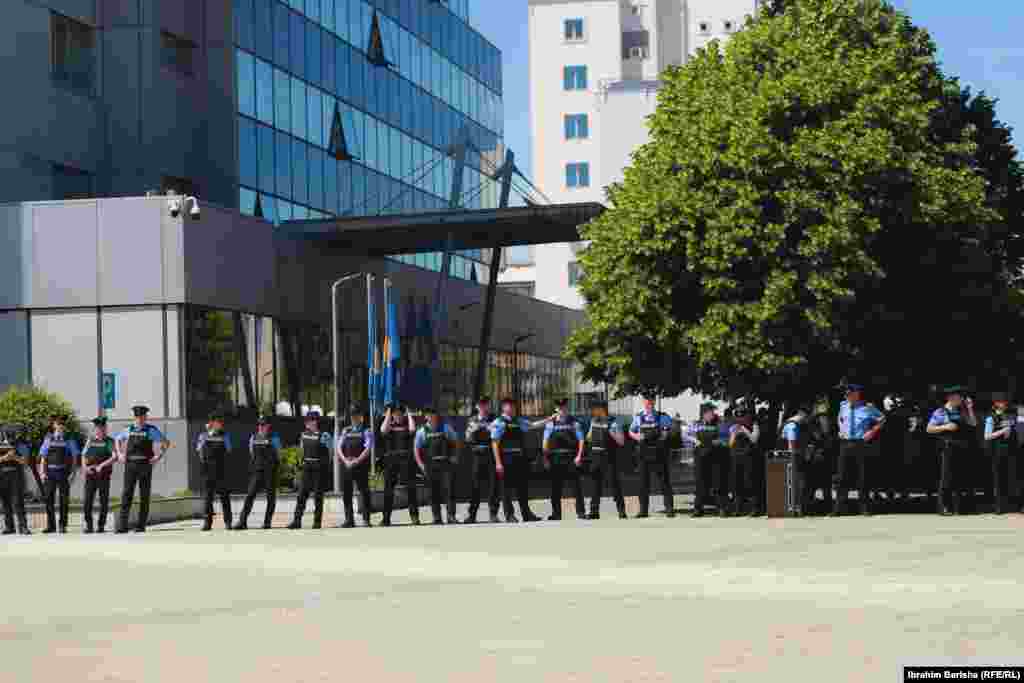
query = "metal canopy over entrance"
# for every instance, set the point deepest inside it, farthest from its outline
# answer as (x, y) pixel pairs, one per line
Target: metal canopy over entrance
(481, 229)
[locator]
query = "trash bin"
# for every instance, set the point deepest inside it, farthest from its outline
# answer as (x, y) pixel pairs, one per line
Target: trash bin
(781, 482)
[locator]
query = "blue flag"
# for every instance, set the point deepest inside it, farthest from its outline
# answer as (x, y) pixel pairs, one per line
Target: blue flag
(392, 348)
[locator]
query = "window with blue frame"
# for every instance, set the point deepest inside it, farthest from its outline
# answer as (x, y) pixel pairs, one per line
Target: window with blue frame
(576, 127)
(573, 29)
(577, 174)
(574, 77)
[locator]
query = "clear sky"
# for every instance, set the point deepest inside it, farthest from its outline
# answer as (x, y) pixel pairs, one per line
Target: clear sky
(979, 41)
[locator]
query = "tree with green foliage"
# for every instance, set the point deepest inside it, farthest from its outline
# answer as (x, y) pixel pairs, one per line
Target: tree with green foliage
(816, 199)
(32, 409)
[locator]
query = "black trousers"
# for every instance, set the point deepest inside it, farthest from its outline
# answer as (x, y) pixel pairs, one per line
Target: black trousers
(660, 466)
(560, 472)
(54, 486)
(136, 473)
(12, 495)
(516, 480)
(216, 485)
(396, 469)
(743, 479)
(483, 471)
(1004, 474)
(314, 480)
(94, 486)
(356, 478)
(441, 475)
(262, 479)
(710, 469)
(853, 454)
(596, 466)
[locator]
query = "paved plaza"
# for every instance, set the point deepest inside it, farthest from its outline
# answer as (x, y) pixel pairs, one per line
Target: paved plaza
(661, 599)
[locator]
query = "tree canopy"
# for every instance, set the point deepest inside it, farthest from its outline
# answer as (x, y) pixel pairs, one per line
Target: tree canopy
(817, 199)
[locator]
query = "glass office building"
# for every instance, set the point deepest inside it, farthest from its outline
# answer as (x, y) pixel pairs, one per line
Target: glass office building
(349, 108)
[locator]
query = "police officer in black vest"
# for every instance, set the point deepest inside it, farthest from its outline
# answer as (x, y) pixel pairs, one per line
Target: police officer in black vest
(478, 439)
(604, 438)
(264, 460)
(316, 447)
(435, 452)
(650, 430)
(512, 469)
(139, 447)
(954, 425)
(1001, 439)
(398, 430)
(214, 448)
(59, 454)
(98, 458)
(354, 446)
(710, 438)
(743, 437)
(563, 449)
(14, 455)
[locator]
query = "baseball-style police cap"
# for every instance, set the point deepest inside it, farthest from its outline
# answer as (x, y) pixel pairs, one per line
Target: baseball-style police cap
(312, 415)
(484, 399)
(430, 410)
(562, 402)
(59, 419)
(356, 409)
(140, 410)
(740, 411)
(705, 407)
(849, 387)
(100, 421)
(650, 396)
(952, 389)
(1000, 396)
(216, 417)
(508, 401)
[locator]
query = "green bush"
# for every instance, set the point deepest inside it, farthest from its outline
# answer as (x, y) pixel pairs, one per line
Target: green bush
(31, 408)
(289, 467)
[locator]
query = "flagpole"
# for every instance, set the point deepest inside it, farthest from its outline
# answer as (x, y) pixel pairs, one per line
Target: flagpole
(370, 392)
(337, 374)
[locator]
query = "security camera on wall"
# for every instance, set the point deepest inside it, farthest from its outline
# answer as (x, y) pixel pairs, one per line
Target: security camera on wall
(174, 207)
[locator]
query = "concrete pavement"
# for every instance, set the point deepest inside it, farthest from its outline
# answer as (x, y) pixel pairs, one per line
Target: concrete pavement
(846, 599)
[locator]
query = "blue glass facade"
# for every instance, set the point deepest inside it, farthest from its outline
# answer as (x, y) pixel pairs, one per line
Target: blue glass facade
(302, 63)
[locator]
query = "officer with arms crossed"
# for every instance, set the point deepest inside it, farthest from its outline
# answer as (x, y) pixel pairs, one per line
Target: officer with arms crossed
(316, 447)
(1001, 439)
(604, 438)
(354, 445)
(213, 447)
(860, 424)
(508, 438)
(435, 452)
(563, 452)
(710, 438)
(743, 437)
(650, 430)
(954, 425)
(98, 458)
(397, 431)
(478, 438)
(58, 456)
(264, 459)
(14, 455)
(139, 447)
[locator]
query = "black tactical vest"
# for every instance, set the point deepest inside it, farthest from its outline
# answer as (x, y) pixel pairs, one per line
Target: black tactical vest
(8, 452)
(400, 438)
(512, 438)
(314, 453)
(352, 439)
(140, 446)
(1001, 421)
(961, 437)
(264, 455)
(563, 435)
(742, 445)
(58, 456)
(650, 429)
(600, 440)
(707, 433)
(436, 447)
(214, 448)
(478, 434)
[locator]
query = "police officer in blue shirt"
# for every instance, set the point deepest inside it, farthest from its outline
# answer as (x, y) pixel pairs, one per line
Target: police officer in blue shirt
(264, 460)
(214, 448)
(511, 468)
(743, 437)
(650, 430)
(953, 424)
(58, 458)
(859, 426)
(563, 450)
(317, 447)
(1001, 439)
(14, 455)
(435, 451)
(710, 438)
(604, 438)
(139, 447)
(478, 441)
(397, 432)
(354, 446)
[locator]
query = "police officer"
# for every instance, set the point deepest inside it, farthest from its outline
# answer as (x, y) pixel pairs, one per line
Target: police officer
(264, 460)
(98, 458)
(604, 438)
(58, 457)
(512, 469)
(743, 437)
(563, 449)
(14, 455)
(1001, 439)
(316, 447)
(435, 453)
(710, 437)
(478, 439)
(139, 447)
(796, 433)
(954, 425)
(354, 446)
(859, 426)
(650, 429)
(398, 430)
(214, 447)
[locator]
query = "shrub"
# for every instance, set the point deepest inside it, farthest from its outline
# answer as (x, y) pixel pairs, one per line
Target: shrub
(31, 408)
(289, 467)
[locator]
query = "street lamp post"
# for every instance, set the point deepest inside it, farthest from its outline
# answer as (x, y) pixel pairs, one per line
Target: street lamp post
(515, 366)
(335, 363)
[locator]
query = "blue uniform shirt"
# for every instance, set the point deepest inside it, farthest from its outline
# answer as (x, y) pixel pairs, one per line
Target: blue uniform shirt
(421, 434)
(856, 421)
(275, 442)
(498, 426)
(155, 435)
(202, 440)
(69, 444)
(791, 431)
(664, 422)
(569, 422)
(367, 435)
(698, 428)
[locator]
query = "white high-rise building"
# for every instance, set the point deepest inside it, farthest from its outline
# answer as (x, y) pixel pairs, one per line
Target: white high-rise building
(594, 67)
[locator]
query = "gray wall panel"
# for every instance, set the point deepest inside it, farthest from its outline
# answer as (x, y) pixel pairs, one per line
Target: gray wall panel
(14, 349)
(64, 254)
(64, 356)
(133, 347)
(131, 251)
(172, 236)
(15, 257)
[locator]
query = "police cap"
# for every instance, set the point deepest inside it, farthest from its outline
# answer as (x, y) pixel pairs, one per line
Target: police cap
(430, 410)
(650, 396)
(59, 419)
(140, 410)
(484, 399)
(508, 401)
(849, 387)
(1000, 396)
(216, 417)
(562, 402)
(954, 389)
(312, 415)
(356, 409)
(262, 420)
(705, 407)
(100, 421)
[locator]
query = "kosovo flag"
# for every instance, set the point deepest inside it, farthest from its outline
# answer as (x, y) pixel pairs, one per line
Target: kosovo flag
(392, 348)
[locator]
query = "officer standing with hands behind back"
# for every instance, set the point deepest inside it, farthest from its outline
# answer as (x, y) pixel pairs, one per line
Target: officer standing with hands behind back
(214, 446)
(563, 456)
(859, 426)
(58, 456)
(354, 446)
(434, 449)
(650, 430)
(265, 457)
(478, 440)
(604, 438)
(98, 458)
(511, 469)
(317, 447)
(139, 447)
